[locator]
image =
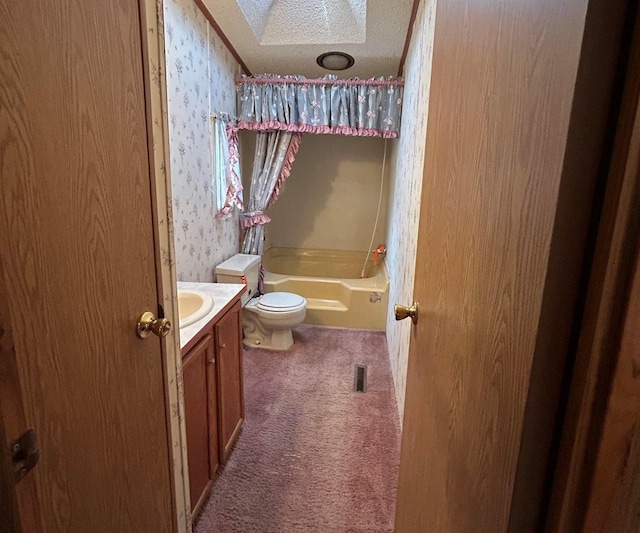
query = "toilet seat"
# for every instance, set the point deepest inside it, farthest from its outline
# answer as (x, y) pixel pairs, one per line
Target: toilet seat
(280, 302)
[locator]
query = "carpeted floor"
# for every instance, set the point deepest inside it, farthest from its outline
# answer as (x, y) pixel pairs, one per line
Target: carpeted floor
(313, 455)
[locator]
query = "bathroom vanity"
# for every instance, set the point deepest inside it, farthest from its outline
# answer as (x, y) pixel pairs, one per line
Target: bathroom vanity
(212, 379)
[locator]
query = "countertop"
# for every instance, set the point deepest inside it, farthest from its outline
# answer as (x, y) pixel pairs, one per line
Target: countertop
(222, 293)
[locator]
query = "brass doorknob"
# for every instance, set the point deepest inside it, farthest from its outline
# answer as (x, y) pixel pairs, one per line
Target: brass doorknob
(149, 324)
(403, 312)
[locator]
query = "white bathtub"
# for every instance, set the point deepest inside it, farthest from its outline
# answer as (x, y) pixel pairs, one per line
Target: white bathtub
(330, 281)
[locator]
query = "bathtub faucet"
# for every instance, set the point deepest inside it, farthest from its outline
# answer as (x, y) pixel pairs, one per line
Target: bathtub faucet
(380, 251)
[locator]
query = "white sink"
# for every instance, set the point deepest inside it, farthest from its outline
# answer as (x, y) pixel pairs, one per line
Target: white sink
(192, 306)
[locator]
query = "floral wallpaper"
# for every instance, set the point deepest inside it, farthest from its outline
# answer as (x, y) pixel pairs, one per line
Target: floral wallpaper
(407, 160)
(200, 81)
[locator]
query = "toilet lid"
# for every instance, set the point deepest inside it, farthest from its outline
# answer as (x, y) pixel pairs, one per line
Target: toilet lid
(279, 301)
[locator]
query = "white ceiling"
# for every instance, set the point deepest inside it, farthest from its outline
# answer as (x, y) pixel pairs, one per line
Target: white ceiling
(286, 36)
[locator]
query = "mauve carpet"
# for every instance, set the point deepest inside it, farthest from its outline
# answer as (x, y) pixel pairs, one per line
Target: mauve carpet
(313, 455)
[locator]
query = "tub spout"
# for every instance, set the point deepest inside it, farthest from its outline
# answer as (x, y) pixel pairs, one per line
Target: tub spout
(380, 251)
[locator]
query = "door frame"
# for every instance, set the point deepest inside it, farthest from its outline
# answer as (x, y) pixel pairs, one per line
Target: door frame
(152, 32)
(617, 245)
(616, 251)
(22, 511)
(9, 516)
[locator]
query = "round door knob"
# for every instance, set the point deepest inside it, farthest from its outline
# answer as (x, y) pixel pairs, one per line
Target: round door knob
(403, 312)
(149, 324)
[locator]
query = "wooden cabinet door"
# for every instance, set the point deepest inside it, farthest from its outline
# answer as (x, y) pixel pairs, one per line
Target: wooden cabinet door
(196, 377)
(229, 361)
(212, 409)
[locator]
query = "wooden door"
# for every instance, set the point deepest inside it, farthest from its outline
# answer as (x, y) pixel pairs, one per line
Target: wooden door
(504, 74)
(78, 265)
(229, 361)
(200, 421)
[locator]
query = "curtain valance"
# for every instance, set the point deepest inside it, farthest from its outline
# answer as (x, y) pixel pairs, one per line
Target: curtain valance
(367, 108)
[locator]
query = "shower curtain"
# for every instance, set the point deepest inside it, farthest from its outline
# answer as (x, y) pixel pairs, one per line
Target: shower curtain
(273, 157)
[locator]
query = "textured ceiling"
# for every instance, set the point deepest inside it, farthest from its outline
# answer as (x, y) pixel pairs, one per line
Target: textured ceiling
(286, 36)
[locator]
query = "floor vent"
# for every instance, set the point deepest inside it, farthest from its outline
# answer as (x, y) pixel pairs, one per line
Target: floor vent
(360, 379)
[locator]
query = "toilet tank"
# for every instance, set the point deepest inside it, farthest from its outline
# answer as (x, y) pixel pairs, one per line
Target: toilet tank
(232, 270)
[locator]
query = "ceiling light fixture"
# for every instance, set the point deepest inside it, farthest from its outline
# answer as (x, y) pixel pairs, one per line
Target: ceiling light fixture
(335, 61)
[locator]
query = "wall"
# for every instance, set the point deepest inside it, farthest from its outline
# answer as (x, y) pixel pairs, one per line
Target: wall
(330, 200)
(407, 160)
(200, 80)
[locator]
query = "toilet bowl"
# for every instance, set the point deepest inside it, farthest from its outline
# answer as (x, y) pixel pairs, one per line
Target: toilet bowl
(267, 320)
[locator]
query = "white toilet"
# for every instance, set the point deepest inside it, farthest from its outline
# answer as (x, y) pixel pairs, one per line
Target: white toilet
(267, 320)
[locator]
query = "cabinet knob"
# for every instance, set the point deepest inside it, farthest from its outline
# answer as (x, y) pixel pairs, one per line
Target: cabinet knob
(212, 361)
(223, 345)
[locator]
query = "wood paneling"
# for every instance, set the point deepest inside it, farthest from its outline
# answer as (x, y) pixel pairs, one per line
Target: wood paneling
(230, 386)
(76, 244)
(501, 96)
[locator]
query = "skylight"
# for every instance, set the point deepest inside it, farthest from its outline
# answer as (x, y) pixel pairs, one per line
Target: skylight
(282, 22)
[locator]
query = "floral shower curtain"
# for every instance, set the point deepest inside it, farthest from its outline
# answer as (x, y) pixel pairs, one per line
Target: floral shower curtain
(274, 154)
(369, 108)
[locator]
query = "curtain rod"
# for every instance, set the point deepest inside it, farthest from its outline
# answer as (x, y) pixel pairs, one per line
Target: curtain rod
(318, 81)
